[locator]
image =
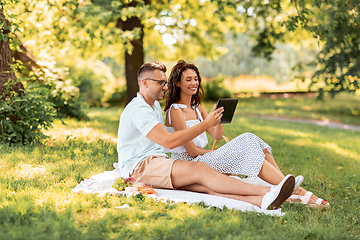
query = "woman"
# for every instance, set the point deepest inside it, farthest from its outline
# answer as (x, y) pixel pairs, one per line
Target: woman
(246, 154)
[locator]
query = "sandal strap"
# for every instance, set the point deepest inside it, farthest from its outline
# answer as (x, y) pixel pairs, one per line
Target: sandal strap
(303, 199)
(295, 197)
(319, 201)
(306, 198)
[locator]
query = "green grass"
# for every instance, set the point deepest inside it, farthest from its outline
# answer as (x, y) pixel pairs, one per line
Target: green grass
(37, 202)
(344, 108)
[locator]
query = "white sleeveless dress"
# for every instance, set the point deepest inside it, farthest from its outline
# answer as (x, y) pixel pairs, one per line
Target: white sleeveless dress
(243, 155)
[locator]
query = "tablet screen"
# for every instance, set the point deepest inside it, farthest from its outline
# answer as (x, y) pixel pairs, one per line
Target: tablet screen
(229, 108)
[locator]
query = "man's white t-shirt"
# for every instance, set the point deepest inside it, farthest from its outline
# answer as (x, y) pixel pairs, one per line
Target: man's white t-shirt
(136, 121)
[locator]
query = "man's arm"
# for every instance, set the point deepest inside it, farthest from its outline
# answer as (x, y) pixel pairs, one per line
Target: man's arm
(161, 136)
(179, 123)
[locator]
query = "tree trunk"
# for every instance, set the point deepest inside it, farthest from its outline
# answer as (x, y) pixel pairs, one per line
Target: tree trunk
(134, 60)
(26, 57)
(6, 72)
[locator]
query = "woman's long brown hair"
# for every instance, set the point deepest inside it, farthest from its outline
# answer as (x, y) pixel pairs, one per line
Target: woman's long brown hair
(173, 93)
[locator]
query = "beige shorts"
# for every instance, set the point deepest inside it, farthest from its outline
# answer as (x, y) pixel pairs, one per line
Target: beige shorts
(154, 171)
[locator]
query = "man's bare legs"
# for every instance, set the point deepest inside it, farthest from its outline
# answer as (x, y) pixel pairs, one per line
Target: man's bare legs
(203, 189)
(197, 176)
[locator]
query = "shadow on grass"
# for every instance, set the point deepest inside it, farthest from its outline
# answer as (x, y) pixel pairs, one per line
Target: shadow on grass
(108, 117)
(64, 162)
(23, 219)
(199, 222)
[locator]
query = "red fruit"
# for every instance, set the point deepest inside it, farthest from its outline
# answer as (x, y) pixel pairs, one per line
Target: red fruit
(129, 179)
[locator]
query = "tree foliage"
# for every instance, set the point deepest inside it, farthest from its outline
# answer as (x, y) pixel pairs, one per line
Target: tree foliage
(334, 23)
(337, 26)
(240, 60)
(25, 112)
(98, 29)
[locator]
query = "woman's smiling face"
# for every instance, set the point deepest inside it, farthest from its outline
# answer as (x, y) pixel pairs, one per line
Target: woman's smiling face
(189, 83)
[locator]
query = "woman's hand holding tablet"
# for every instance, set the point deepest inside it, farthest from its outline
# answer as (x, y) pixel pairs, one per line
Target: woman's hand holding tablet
(229, 105)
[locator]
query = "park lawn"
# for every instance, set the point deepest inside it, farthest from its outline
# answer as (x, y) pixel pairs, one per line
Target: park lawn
(344, 108)
(37, 202)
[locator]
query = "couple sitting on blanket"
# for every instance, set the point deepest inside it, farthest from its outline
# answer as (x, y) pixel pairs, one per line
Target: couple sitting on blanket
(143, 138)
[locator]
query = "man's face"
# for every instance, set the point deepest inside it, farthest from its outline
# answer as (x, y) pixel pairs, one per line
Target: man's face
(154, 81)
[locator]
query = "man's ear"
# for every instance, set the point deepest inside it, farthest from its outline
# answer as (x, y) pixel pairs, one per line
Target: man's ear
(144, 82)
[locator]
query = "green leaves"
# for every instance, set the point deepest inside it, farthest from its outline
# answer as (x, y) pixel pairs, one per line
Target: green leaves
(216, 89)
(24, 116)
(338, 29)
(93, 29)
(334, 23)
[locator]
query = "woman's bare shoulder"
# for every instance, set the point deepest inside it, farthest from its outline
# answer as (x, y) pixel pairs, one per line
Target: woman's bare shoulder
(175, 113)
(201, 108)
(202, 111)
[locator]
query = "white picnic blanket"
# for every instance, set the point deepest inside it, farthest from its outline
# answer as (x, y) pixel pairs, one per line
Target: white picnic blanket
(101, 184)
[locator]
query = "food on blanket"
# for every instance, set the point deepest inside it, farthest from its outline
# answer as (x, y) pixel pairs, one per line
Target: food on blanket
(120, 184)
(138, 185)
(148, 190)
(129, 180)
(131, 189)
(129, 185)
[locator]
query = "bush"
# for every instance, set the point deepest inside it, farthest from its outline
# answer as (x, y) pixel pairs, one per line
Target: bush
(215, 89)
(89, 82)
(63, 94)
(23, 116)
(117, 97)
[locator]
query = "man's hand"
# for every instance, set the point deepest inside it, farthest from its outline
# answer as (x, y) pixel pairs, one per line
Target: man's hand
(214, 116)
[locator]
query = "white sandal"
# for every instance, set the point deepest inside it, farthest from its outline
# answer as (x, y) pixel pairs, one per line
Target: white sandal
(298, 181)
(306, 199)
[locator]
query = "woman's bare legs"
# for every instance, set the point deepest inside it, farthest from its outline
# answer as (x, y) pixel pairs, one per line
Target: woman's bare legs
(270, 159)
(267, 171)
(270, 174)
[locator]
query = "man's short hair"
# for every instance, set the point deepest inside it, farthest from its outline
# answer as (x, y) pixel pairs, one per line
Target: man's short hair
(149, 67)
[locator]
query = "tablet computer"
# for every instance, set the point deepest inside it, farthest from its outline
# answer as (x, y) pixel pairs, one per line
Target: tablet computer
(229, 105)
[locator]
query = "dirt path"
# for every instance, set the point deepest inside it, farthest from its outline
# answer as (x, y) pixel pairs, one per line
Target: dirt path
(317, 122)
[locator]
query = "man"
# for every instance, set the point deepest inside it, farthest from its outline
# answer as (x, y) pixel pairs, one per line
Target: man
(142, 135)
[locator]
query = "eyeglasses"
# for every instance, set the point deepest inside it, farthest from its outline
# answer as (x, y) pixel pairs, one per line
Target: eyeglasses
(161, 82)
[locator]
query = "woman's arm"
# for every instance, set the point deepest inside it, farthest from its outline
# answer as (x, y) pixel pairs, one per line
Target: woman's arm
(178, 123)
(161, 136)
(217, 131)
